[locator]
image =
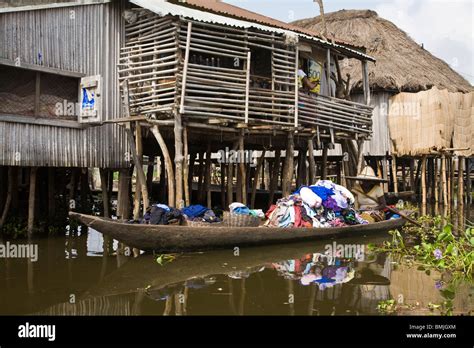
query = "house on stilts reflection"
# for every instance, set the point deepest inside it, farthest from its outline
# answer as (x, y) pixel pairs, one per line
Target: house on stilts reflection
(179, 81)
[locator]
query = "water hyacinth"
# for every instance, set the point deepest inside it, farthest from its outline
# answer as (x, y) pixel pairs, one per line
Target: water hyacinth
(437, 254)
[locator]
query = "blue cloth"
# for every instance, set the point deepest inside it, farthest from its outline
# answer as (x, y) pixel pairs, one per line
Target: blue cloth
(162, 206)
(194, 210)
(241, 210)
(324, 280)
(322, 191)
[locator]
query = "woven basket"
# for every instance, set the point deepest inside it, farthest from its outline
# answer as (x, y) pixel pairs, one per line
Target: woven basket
(240, 220)
(192, 223)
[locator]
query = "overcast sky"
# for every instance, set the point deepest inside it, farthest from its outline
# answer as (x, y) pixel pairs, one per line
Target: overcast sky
(445, 27)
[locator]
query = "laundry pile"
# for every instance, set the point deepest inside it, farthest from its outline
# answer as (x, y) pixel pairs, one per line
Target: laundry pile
(317, 268)
(161, 214)
(242, 209)
(200, 213)
(324, 204)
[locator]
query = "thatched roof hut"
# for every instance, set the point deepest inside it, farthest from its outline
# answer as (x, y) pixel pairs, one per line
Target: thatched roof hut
(402, 64)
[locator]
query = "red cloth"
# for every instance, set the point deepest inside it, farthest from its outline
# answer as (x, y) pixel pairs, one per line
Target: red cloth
(270, 210)
(298, 220)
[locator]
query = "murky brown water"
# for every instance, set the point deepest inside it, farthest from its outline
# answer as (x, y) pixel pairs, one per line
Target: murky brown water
(71, 276)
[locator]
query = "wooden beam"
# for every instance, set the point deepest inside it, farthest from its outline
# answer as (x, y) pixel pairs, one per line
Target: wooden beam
(423, 179)
(37, 94)
(365, 80)
(168, 164)
(247, 86)
(105, 192)
(256, 178)
(32, 200)
(185, 67)
(41, 68)
(296, 87)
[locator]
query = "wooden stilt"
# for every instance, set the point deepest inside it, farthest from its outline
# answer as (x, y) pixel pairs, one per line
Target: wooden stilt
(187, 197)
(105, 192)
(138, 181)
(468, 181)
(460, 193)
(8, 200)
(123, 200)
(444, 184)
(192, 160)
(149, 175)
(435, 180)
(168, 164)
(324, 163)
(412, 174)
(256, 178)
(32, 200)
(201, 173)
(360, 155)
(243, 173)
(394, 173)
(423, 180)
(178, 160)
(451, 179)
(222, 183)
(289, 166)
(339, 172)
(312, 163)
(230, 184)
(299, 176)
(207, 179)
(84, 189)
(274, 176)
(404, 177)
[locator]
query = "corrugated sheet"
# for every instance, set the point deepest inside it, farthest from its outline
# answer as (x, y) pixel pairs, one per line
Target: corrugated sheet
(83, 39)
(380, 142)
(226, 9)
(163, 8)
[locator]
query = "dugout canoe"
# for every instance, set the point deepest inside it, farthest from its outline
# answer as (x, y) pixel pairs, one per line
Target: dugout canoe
(173, 238)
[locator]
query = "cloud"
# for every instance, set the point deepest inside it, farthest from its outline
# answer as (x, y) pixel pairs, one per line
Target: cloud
(445, 28)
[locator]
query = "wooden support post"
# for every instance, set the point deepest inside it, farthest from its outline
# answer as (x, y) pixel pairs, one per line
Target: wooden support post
(311, 161)
(149, 175)
(230, 184)
(84, 189)
(289, 166)
(328, 72)
(123, 206)
(299, 170)
(404, 177)
(187, 197)
(275, 170)
(365, 84)
(444, 185)
(243, 175)
(296, 87)
(394, 173)
(168, 164)
(8, 200)
(192, 160)
(138, 184)
(468, 181)
(339, 172)
(51, 193)
(435, 180)
(423, 180)
(201, 173)
(32, 200)
(360, 155)
(208, 175)
(256, 178)
(105, 192)
(38, 94)
(324, 164)
(222, 183)
(412, 174)
(185, 67)
(247, 87)
(460, 180)
(451, 179)
(178, 160)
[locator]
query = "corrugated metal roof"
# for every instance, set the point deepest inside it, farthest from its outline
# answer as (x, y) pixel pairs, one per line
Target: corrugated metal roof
(163, 8)
(220, 7)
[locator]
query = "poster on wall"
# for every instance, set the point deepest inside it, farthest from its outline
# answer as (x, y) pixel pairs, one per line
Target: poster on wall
(90, 99)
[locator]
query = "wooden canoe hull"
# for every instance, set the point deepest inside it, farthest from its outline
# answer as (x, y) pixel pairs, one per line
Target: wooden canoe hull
(168, 238)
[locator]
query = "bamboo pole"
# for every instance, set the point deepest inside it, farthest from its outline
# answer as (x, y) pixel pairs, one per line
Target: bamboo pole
(185, 68)
(243, 177)
(289, 166)
(32, 200)
(256, 178)
(168, 164)
(435, 180)
(444, 187)
(423, 180)
(178, 160)
(394, 173)
(149, 174)
(412, 174)
(324, 164)
(275, 170)
(208, 175)
(187, 196)
(138, 184)
(247, 86)
(312, 163)
(468, 181)
(460, 180)
(451, 179)
(123, 208)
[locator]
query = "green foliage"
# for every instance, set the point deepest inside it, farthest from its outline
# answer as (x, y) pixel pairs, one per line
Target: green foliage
(164, 259)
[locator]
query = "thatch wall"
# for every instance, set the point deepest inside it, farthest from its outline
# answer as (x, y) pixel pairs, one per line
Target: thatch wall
(435, 118)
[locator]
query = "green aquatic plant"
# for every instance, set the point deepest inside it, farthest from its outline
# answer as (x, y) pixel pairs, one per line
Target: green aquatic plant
(164, 259)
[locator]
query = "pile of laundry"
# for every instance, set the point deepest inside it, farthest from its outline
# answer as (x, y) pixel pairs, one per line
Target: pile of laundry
(200, 213)
(161, 214)
(324, 204)
(242, 209)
